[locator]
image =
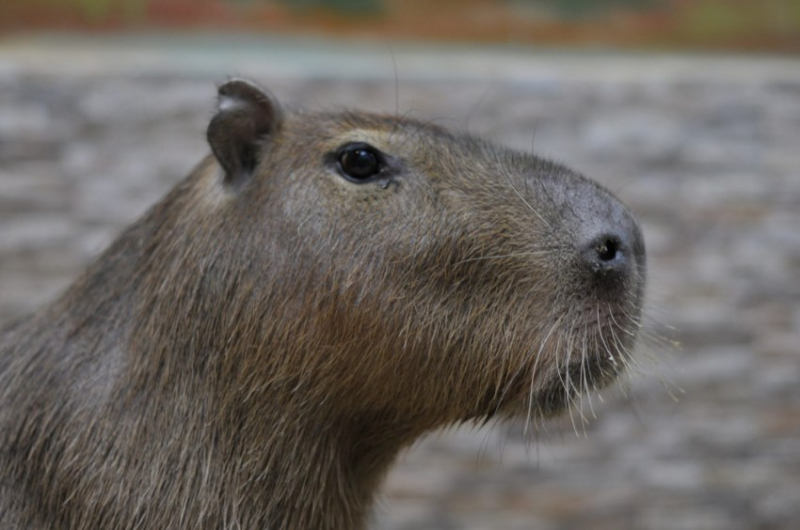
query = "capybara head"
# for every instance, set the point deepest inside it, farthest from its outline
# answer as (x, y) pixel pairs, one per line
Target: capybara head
(324, 289)
(395, 271)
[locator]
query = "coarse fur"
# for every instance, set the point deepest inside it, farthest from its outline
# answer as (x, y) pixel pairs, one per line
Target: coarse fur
(256, 350)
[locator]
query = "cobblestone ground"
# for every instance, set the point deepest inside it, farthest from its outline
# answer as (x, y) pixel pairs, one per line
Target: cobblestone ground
(705, 151)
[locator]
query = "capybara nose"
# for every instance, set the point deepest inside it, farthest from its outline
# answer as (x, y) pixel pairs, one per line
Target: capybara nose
(615, 249)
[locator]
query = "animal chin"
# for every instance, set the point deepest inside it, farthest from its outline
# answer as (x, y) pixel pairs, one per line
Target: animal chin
(543, 393)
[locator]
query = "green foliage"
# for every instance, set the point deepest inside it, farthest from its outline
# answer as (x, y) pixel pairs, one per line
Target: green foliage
(345, 7)
(713, 18)
(589, 8)
(101, 9)
(718, 19)
(95, 8)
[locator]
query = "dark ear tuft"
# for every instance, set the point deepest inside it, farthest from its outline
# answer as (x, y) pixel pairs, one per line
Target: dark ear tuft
(246, 116)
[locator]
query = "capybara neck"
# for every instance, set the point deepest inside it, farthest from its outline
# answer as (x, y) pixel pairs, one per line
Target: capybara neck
(317, 294)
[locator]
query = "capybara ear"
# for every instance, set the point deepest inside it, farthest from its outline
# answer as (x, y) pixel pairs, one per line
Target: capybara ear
(246, 116)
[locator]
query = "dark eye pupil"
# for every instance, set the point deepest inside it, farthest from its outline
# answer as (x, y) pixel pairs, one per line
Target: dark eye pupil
(360, 163)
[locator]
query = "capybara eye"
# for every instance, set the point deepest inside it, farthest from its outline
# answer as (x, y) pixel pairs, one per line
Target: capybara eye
(359, 161)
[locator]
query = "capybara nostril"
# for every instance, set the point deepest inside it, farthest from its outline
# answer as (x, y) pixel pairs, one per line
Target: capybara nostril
(606, 254)
(607, 249)
(614, 249)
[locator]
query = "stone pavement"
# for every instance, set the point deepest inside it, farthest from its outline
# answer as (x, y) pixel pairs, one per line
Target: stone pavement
(705, 150)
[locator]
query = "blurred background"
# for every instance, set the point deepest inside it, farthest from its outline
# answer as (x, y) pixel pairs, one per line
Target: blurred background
(755, 25)
(688, 110)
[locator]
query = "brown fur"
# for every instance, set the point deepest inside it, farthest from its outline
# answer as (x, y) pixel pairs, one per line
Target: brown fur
(254, 352)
